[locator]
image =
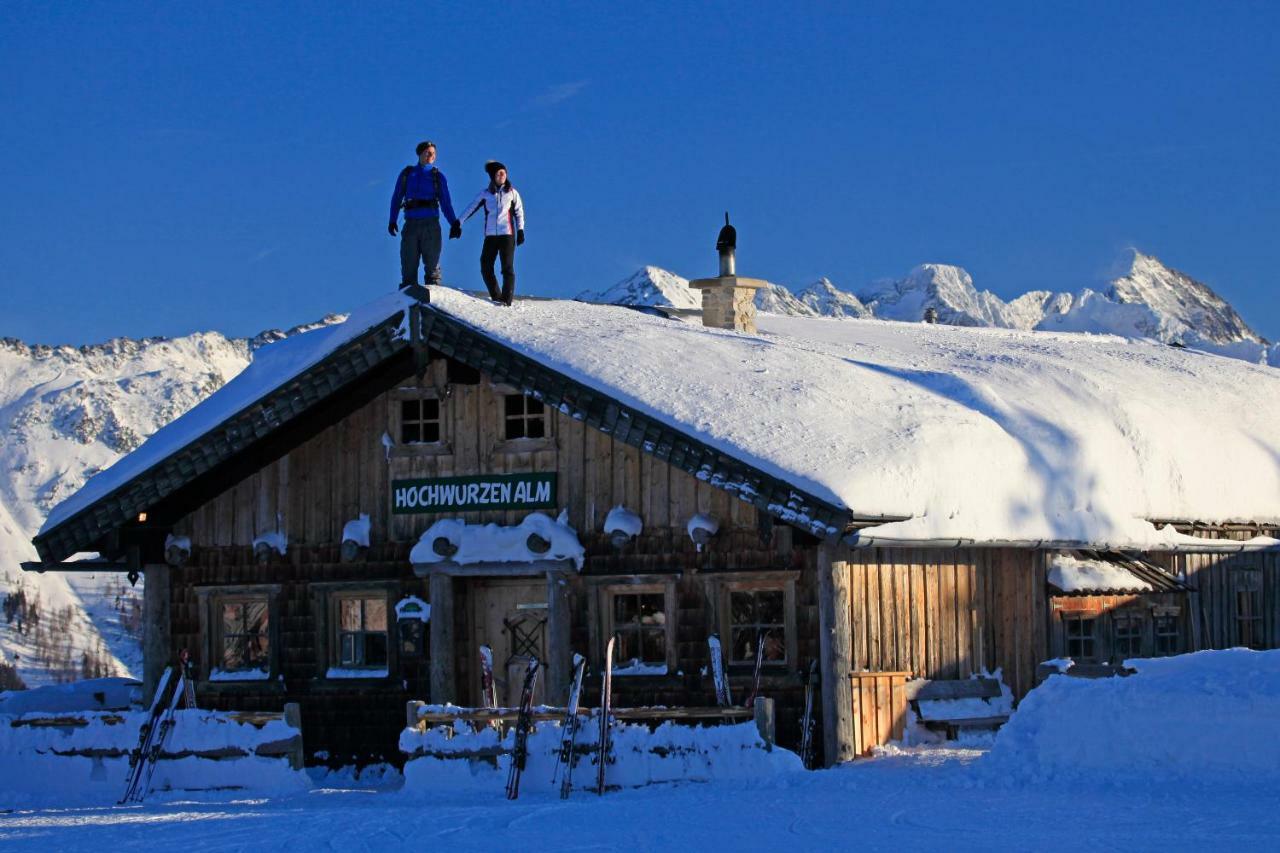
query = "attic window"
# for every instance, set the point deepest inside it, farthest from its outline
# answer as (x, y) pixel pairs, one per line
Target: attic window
(419, 421)
(524, 417)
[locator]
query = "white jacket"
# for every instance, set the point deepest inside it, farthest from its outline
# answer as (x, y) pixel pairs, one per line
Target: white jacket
(503, 210)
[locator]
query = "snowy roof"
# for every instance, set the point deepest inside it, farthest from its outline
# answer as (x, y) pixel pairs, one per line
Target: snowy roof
(977, 434)
(274, 365)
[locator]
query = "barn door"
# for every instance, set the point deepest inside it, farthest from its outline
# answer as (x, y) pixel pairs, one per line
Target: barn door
(511, 618)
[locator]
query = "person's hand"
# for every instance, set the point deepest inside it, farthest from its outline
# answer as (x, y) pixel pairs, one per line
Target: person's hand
(520, 237)
(392, 230)
(455, 230)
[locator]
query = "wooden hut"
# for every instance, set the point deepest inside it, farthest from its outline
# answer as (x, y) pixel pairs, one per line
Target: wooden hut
(280, 526)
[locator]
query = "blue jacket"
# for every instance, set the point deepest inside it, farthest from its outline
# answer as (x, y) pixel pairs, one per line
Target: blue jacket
(419, 183)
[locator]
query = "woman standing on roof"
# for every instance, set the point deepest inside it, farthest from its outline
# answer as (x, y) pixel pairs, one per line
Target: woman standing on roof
(503, 230)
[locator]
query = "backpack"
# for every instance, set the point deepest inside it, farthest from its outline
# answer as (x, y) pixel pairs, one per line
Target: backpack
(404, 176)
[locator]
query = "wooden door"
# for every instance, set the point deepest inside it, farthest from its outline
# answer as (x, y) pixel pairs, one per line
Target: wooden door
(510, 616)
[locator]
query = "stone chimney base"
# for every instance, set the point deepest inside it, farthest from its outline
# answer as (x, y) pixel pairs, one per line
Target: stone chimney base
(728, 302)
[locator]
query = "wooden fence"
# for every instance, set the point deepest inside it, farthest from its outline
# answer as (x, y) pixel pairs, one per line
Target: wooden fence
(879, 708)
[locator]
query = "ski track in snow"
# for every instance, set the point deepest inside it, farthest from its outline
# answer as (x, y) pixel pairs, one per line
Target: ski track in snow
(913, 801)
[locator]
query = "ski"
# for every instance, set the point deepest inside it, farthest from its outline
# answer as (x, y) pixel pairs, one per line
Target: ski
(717, 671)
(488, 688)
(755, 677)
(147, 765)
(520, 751)
(188, 697)
(806, 721)
(569, 731)
(145, 734)
(606, 690)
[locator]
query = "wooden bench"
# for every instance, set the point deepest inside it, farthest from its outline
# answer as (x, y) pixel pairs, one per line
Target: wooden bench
(942, 691)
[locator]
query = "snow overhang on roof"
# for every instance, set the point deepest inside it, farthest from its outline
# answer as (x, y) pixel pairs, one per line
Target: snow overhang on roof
(1108, 573)
(912, 433)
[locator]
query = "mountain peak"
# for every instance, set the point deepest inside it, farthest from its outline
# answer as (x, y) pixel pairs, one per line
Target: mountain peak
(1184, 309)
(825, 299)
(648, 285)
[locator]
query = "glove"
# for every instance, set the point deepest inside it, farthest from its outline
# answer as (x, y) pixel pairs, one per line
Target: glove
(392, 230)
(520, 237)
(455, 230)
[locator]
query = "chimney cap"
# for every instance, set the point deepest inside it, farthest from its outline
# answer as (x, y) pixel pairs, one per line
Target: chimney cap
(728, 238)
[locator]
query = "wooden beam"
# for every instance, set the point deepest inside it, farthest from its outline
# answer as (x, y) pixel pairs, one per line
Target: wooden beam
(443, 686)
(156, 654)
(836, 641)
(559, 655)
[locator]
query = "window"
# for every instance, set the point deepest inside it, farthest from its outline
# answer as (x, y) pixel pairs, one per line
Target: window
(640, 629)
(757, 617)
(419, 420)
(639, 619)
(1248, 586)
(362, 636)
(757, 610)
(1080, 637)
(1126, 636)
(244, 642)
(236, 628)
(1168, 635)
(523, 417)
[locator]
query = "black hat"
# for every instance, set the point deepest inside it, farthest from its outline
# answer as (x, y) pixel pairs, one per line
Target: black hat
(423, 146)
(492, 168)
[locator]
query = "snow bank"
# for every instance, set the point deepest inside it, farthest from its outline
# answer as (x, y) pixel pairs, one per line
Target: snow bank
(493, 543)
(92, 694)
(1206, 718)
(1071, 574)
(639, 756)
(85, 758)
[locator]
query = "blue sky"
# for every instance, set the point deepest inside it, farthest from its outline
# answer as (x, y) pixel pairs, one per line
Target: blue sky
(173, 167)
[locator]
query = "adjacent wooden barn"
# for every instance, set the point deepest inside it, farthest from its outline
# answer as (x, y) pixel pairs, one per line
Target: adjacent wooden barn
(347, 523)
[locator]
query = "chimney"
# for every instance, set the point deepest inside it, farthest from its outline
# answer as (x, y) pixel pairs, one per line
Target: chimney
(728, 301)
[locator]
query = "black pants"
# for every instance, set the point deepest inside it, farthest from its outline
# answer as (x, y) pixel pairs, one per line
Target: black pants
(420, 241)
(499, 247)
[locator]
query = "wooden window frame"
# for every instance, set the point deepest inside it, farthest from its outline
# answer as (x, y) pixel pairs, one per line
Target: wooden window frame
(395, 423)
(210, 602)
(1093, 618)
(1128, 616)
(785, 585)
(326, 598)
(1159, 613)
(649, 586)
(523, 444)
(1248, 624)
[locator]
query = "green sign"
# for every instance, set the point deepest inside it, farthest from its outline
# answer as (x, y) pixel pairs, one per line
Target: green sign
(474, 494)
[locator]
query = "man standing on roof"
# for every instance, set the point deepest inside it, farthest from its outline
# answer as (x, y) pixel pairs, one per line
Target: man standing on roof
(423, 192)
(503, 230)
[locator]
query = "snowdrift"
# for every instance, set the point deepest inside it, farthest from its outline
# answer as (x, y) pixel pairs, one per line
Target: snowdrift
(1207, 717)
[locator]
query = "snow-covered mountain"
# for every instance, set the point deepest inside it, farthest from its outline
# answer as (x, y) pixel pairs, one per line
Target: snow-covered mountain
(947, 289)
(827, 300)
(647, 286)
(66, 413)
(1150, 301)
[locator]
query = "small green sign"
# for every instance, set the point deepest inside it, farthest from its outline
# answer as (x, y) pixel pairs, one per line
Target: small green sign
(474, 494)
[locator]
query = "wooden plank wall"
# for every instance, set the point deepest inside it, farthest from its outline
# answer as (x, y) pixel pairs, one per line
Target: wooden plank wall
(1212, 577)
(344, 471)
(948, 613)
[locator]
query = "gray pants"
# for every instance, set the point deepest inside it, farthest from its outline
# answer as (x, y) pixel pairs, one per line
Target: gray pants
(420, 240)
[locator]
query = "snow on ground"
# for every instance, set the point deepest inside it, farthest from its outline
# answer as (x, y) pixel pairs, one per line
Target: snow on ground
(1207, 717)
(925, 799)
